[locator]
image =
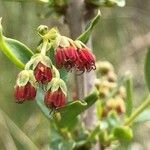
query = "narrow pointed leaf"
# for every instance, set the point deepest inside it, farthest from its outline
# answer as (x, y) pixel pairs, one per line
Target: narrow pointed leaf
(84, 37)
(70, 112)
(129, 97)
(147, 68)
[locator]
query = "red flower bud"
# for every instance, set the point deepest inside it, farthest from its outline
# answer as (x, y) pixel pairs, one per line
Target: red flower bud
(26, 92)
(65, 57)
(54, 99)
(85, 61)
(42, 73)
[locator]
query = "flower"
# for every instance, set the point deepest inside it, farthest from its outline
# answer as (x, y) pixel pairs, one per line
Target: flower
(42, 73)
(54, 99)
(26, 92)
(56, 93)
(85, 61)
(42, 68)
(65, 53)
(25, 88)
(73, 54)
(65, 57)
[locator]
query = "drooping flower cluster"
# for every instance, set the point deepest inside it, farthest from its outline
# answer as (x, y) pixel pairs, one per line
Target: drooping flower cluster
(43, 72)
(74, 54)
(40, 70)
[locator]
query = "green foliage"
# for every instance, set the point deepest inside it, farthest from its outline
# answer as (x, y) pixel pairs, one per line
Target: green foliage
(129, 97)
(107, 3)
(147, 68)
(68, 113)
(16, 51)
(68, 116)
(123, 133)
(112, 119)
(58, 142)
(84, 37)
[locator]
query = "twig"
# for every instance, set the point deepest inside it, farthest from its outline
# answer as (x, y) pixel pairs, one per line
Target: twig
(145, 104)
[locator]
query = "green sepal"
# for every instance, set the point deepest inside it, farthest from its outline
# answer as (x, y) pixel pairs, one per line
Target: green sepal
(23, 78)
(55, 84)
(45, 60)
(26, 76)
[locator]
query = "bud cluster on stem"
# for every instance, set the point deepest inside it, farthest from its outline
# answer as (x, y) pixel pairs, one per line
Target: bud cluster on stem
(106, 83)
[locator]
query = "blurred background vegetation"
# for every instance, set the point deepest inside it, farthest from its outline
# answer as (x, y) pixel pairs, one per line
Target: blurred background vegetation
(121, 37)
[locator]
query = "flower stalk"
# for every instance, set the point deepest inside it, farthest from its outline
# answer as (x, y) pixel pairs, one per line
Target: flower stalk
(44, 47)
(137, 111)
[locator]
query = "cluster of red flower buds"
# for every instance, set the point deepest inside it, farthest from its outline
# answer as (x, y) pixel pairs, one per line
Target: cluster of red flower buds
(43, 72)
(74, 54)
(40, 69)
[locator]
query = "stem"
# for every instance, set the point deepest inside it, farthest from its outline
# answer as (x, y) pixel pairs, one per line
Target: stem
(44, 47)
(145, 104)
(0, 28)
(84, 83)
(56, 72)
(75, 22)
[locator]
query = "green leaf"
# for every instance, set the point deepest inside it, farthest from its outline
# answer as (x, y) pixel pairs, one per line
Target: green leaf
(99, 109)
(86, 34)
(144, 116)
(107, 3)
(147, 68)
(93, 134)
(61, 144)
(129, 96)
(112, 119)
(58, 142)
(40, 102)
(16, 51)
(70, 112)
(120, 3)
(123, 133)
